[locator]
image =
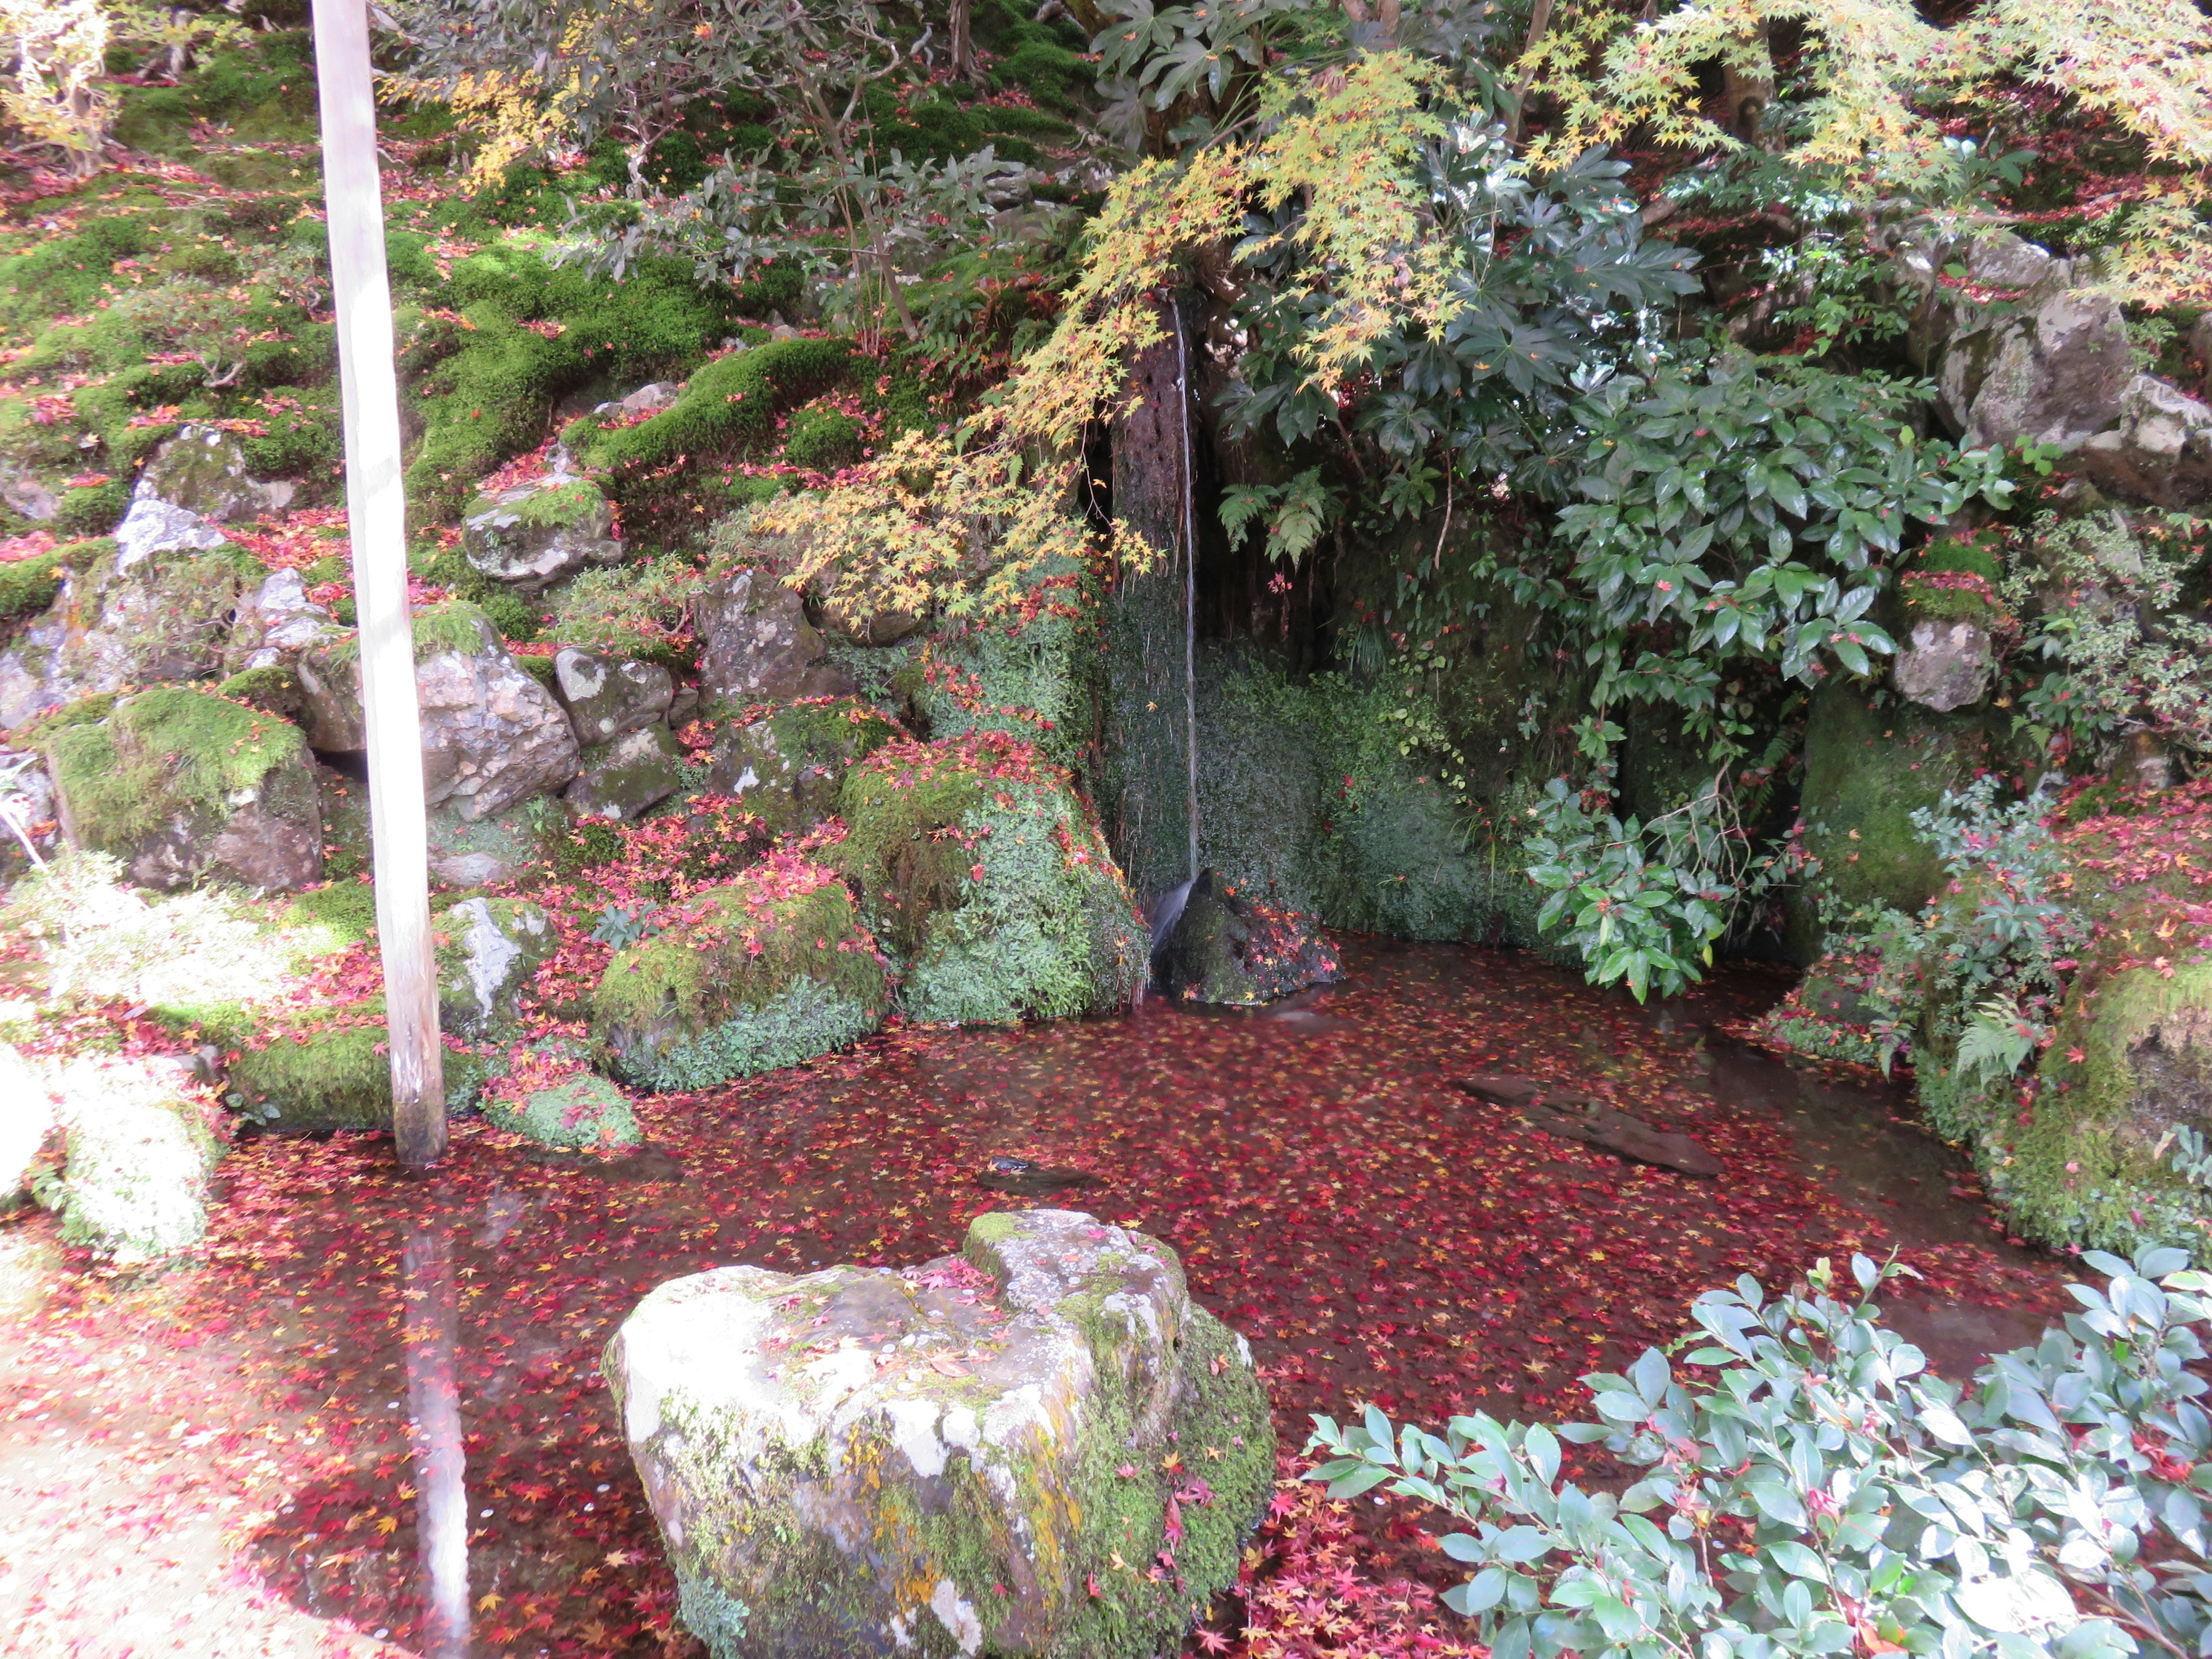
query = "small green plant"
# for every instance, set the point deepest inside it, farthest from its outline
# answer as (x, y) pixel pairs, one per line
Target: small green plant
(623, 924)
(1809, 1486)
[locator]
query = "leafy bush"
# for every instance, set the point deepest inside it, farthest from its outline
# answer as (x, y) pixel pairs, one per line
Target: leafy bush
(1809, 1487)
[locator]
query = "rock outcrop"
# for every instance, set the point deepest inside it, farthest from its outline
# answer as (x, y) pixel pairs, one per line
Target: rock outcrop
(541, 532)
(1945, 665)
(493, 949)
(605, 697)
(491, 734)
(621, 780)
(788, 764)
(183, 787)
(756, 646)
(1213, 943)
(985, 1453)
(203, 471)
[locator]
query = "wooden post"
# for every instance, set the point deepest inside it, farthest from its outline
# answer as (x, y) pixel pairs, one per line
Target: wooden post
(376, 509)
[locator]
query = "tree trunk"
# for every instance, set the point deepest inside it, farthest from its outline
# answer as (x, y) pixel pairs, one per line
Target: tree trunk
(964, 40)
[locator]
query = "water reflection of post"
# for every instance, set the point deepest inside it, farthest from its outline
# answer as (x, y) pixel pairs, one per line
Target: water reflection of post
(434, 1404)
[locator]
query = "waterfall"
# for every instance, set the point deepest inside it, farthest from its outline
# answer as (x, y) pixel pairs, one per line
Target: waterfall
(1189, 539)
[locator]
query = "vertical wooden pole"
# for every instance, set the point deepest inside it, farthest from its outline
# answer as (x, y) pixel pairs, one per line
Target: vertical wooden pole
(376, 508)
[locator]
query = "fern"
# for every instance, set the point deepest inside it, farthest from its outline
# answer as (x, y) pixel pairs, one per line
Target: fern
(1996, 1042)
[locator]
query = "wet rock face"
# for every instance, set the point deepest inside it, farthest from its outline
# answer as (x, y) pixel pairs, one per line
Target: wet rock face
(1945, 665)
(203, 471)
(622, 779)
(492, 950)
(756, 646)
(491, 734)
(606, 698)
(1219, 945)
(540, 532)
(950, 1459)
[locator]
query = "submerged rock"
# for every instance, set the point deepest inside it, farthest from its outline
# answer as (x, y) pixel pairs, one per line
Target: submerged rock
(541, 532)
(491, 734)
(983, 871)
(1213, 943)
(1572, 1115)
(621, 780)
(950, 1459)
(492, 952)
(788, 764)
(768, 970)
(756, 646)
(582, 1113)
(182, 786)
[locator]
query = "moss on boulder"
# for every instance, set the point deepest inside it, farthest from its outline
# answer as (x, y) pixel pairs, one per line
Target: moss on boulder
(970, 1456)
(1867, 771)
(583, 1112)
(489, 951)
(787, 765)
(768, 970)
(180, 785)
(984, 873)
(306, 1072)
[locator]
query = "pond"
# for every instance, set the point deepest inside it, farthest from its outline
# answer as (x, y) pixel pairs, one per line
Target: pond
(218, 1458)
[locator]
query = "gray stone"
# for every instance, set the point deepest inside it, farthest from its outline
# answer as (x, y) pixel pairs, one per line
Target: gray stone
(24, 495)
(970, 1456)
(1946, 665)
(203, 471)
(2052, 375)
(621, 780)
(492, 952)
(491, 734)
(153, 526)
(277, 624)
(541, 532)
(788, 764)
(2161, 449)
(756, 646)
(878, 628)
(606, 698)
(487, 851)
(651, 398)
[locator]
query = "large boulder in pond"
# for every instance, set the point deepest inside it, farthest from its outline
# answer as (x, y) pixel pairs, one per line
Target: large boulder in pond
(787, 764)
(182, 786)
(1041, 1446)
(984, 874)
(767, 970)
(757, 647)
(491, 734)
(1214, 943)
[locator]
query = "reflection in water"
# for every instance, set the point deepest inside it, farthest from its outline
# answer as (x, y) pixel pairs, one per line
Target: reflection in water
(434, 1404)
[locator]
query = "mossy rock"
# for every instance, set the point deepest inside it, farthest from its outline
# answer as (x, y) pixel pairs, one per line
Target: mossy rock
(308, 1074)
(984, 874)
(1867, 771)
(765, 971)
(584, 1113)
(488, 953)
(984, 1453)
(183, 785)
(787, 766)
(136, 1155)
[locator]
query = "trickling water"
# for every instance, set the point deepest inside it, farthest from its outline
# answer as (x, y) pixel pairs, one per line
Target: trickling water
(365, 1367)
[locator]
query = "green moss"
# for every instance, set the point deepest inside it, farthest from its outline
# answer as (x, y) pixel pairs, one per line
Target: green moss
(347, 907)
(93, 511)
(1867, 771)
(821, 440)
(984, 873)
(584, 1114)
(775, 970)
(788, 764)
(298, 1077)
(29, 585)
(1966, 558)
(275, 690)
(1033, 680)
(161, 749)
